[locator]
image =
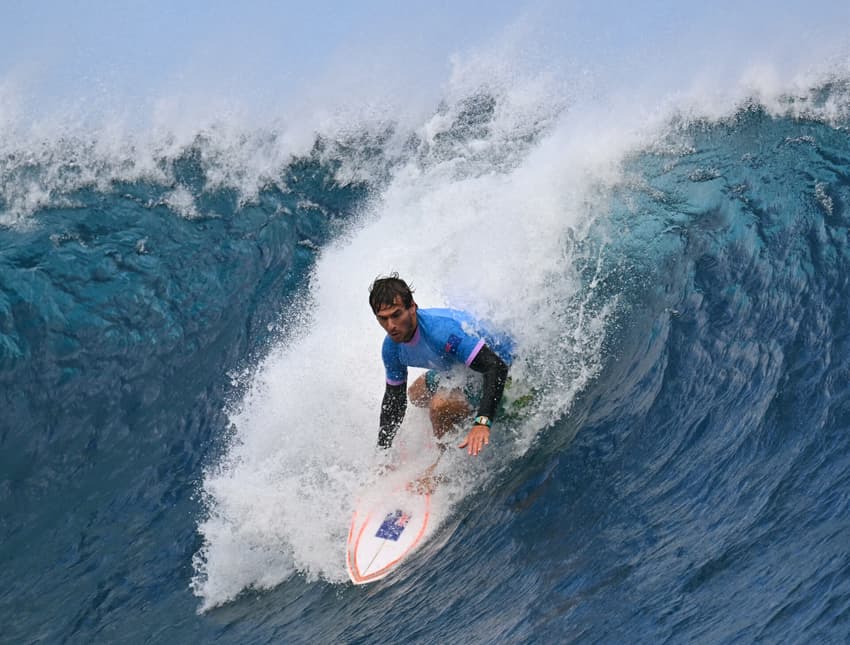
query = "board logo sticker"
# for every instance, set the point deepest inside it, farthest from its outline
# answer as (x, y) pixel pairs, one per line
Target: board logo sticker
(393, 525)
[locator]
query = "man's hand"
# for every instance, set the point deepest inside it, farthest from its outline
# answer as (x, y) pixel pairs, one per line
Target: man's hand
(477, 438)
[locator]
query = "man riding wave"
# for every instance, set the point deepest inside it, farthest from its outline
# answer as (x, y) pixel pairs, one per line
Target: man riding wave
(444, 341)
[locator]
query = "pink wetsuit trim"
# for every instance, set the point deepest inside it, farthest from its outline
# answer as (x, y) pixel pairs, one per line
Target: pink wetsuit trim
(474, 352)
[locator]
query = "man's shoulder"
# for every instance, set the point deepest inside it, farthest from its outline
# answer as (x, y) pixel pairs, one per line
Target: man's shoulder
(443, 325)
(447, 315)
(440, 321)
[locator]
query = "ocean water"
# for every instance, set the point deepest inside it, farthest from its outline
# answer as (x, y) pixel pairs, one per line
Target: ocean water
(191, 374)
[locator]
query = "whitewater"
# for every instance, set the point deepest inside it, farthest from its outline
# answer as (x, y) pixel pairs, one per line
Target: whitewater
(191, 374)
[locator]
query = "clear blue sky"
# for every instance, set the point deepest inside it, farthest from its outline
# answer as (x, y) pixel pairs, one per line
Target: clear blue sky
(137, 49)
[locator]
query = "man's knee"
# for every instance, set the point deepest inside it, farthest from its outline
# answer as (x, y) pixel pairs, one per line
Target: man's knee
(449, 404)
(418, 393)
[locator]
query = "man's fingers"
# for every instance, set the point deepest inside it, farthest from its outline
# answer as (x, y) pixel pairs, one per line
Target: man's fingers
(475, 441)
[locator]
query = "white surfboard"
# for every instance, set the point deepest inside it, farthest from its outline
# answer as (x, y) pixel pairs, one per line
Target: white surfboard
(385, 529)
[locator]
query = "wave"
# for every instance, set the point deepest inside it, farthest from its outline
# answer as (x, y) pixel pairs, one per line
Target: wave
(566, 251)
(195, 303)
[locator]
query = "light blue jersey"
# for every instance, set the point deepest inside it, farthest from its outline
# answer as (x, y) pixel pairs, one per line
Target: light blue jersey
(443, 338)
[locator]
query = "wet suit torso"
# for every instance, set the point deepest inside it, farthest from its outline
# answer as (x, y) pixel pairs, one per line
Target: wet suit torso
(443, 339)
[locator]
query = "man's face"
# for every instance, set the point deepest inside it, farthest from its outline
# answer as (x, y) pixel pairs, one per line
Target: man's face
(399, 322)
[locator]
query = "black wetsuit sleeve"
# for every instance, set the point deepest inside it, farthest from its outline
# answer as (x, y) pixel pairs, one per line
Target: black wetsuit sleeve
(392, 413)
(495, 372)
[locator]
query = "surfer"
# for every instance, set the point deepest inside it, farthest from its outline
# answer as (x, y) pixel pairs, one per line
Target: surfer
(447, 342)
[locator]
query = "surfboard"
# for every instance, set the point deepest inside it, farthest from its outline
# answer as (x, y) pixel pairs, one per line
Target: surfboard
(387, 526)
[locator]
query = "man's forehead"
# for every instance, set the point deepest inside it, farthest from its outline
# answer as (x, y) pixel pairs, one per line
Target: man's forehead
(391, 308)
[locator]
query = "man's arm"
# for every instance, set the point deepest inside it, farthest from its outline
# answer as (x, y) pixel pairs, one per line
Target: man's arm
(495, 372)
(393, 408)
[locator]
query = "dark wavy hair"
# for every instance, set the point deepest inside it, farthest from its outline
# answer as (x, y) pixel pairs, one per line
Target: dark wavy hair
(385, 289)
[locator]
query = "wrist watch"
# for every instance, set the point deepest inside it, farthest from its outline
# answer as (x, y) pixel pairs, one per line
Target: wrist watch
(481, 420)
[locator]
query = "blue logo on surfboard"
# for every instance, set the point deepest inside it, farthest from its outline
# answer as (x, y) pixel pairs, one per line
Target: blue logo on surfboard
(393, 525)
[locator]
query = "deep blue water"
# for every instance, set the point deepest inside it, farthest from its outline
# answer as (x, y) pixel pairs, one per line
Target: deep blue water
(698, 489)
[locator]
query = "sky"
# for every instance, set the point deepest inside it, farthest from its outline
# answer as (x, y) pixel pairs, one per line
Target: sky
(61, 47)
(133, 53)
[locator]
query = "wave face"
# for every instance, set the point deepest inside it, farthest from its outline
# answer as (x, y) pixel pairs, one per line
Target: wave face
(191, 378)
(705, 495)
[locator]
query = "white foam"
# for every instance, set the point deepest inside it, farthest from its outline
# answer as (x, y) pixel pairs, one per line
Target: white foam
(469, 232)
